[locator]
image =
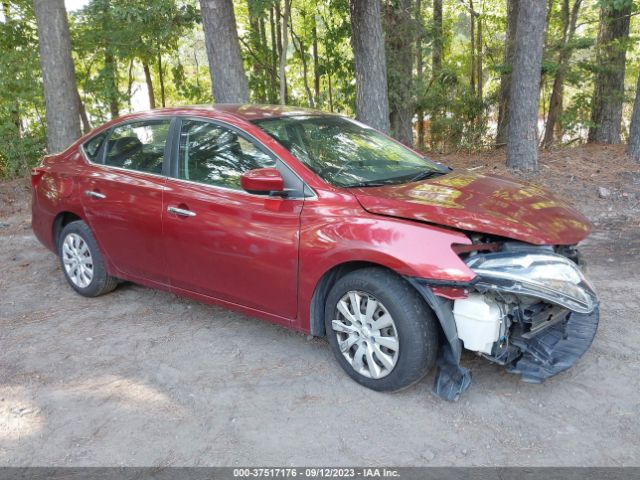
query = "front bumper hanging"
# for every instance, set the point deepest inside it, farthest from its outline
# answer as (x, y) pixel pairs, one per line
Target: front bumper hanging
(555, 349)
(452, 380)
(535, 356)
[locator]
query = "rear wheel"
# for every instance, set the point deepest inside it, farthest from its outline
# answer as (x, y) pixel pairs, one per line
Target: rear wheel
(82, 262)
(380, 330)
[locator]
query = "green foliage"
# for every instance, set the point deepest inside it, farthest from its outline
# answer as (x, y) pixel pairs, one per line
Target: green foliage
(259, 8)
(334, 62)
(616, 4)
(109, 34)
(22, 134)
(575, 119)
(18, 157)
(112, 39)
(457, 116)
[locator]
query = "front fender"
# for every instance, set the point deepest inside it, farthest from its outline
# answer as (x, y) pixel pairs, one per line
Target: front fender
(331, 238)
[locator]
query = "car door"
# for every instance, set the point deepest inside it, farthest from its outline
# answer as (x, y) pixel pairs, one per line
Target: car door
(221, 241)
(122, 198)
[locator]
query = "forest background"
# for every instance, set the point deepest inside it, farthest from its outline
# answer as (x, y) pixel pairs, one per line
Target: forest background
(440, 75)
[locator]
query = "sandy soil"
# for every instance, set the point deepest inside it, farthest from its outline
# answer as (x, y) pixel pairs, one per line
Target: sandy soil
(141, 377)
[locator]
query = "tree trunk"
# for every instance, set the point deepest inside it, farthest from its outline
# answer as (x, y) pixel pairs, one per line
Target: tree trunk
(522, 140)
(301, 51)
(15, 108)
(330, 91)
(545, 48)
(257, 68)
(316, 63)
(472, 20)
(555, 103)
(274, 57)
(58, 75)
(608, 97)
(419, 72)
(130, 83)
(436, 53)
(161, 79)
(505, 77)
(436, 59)
(149, 80)
(633, 149)
(283, 52)
(479, 56)
(268, 80)
(399, 41)
(372, 104)
(110, 64)
(228, 80)
(111, 68)
(278, 15)
(84, 118)
(15, 117)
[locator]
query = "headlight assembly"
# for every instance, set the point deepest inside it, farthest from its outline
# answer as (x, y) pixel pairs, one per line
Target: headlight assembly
(547, 276)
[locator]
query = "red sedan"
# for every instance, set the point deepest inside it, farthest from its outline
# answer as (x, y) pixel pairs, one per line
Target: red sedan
(321, 224)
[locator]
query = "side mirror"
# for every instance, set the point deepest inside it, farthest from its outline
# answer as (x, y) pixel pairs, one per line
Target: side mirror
(262, 181)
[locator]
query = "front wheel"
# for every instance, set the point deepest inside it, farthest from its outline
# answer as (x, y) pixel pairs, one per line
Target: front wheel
(380, 330)
(82, 262)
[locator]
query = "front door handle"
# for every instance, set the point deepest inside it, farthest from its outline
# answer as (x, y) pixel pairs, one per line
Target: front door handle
(92, 194)
(181, 212)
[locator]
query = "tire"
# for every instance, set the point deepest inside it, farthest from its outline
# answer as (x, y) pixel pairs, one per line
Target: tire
(414, 331)
(82, 262)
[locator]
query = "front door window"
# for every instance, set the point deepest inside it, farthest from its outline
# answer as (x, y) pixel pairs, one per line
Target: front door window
(216, 155)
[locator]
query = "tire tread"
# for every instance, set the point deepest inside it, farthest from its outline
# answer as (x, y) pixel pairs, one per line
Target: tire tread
(102, 283)
(418, 341)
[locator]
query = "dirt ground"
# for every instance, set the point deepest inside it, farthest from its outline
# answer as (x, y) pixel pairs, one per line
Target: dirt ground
(142, 377)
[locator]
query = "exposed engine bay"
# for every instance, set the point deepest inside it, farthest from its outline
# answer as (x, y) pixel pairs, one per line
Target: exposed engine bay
(530, 308)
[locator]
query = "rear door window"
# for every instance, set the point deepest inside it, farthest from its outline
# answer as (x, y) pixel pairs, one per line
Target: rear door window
(138, 146)
(92, 147)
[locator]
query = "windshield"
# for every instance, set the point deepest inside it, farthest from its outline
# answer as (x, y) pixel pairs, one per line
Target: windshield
(346, 153)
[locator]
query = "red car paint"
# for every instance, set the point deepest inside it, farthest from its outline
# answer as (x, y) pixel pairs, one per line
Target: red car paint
(262, 180)
(266, 256)
(484, 203)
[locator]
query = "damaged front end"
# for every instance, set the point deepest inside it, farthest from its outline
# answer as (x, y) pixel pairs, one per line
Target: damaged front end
(529, 308)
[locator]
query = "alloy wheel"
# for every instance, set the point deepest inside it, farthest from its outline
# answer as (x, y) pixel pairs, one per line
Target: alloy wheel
(77, 260)
(367, 334)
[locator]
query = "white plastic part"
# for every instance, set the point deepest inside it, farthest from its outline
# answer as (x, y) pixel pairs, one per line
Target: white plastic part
(478, 322)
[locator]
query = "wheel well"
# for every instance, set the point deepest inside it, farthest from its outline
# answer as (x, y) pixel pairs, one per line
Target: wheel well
(62, 220)
(327, 281)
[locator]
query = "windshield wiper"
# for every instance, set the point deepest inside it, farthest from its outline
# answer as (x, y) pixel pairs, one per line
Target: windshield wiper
(424, 175)
(366, 184)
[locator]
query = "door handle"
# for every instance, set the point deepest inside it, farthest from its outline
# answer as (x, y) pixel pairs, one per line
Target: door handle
(181, 212)
(91, 193)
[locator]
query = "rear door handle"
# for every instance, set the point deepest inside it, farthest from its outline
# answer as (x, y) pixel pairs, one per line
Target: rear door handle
(91, 193)
(181, 212)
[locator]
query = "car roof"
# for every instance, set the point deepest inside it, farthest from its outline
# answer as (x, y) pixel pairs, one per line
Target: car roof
(243, 111)
(259, 112)
(248, 112)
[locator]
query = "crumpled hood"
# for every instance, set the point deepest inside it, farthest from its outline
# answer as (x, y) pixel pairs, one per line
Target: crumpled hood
(481, 203)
